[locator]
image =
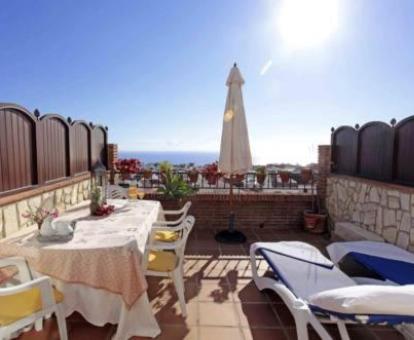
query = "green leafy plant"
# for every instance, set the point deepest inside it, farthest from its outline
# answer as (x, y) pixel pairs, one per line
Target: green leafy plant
(165, 167)
(175, 187)
(261, 175)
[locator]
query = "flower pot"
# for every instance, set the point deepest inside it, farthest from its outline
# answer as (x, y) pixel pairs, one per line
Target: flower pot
(93, 207)
(284, 176)
(305, 175)
(193, 177)
(212, 179)
(314, 223)
(261, 179)
(147, 174)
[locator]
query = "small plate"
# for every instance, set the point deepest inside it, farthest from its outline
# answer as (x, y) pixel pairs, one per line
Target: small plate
(54, 238)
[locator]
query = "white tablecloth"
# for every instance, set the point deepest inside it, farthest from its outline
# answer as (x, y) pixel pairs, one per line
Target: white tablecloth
(132, 223)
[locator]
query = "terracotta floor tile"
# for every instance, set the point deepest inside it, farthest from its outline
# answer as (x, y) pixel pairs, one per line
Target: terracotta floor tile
(173, 333)
(218, 333)
(257, 315)
(170, 313)
(85, 331)
(217, 292)
(217, 314)
(222, 299)
(248, 292)
(264, 334)
(49, 332)
(167, 292)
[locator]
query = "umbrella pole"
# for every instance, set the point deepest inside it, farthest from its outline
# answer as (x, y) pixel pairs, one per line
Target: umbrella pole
(231, 206)
(231, 235)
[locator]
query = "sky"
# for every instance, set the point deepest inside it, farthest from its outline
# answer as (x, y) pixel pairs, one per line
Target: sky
(154, 71)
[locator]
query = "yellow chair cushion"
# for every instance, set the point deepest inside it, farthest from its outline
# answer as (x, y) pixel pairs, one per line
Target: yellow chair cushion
(166, 236)
(162, 261)
(18, 306)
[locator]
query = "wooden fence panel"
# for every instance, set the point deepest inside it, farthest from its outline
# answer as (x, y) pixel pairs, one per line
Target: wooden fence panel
(36, 150)
(17, 167)
(344, 142)
(80, 147)
(404, 143)
(99, 145)
(55, 147)
(376, 144)
(383, 152)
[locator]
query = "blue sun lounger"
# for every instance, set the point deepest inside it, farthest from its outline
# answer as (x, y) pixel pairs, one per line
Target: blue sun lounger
(317, 292)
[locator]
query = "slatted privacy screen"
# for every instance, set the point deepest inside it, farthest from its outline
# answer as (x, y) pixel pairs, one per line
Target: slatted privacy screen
(376, 151)
(39, 150)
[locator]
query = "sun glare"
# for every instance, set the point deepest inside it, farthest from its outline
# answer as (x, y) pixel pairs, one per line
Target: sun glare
(306, 23)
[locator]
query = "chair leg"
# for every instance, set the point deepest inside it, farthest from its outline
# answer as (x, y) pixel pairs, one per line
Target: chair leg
(38, 324)
(301, 327)
(61, 321)
(342, 330)
(319, 328)
(179, 287)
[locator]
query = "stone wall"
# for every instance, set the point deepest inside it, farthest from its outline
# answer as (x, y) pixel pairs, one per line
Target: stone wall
(11, 219)
(385, 209)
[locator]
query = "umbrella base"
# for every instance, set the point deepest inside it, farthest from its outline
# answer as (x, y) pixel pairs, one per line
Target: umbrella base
(230, 237)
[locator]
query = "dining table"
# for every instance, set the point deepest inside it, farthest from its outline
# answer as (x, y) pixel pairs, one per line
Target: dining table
(99, 270)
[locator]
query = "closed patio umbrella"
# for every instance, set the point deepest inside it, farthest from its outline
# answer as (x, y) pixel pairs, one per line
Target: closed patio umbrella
(235, 157)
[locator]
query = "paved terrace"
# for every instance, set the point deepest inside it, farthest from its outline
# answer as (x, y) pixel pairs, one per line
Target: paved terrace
(222, 300)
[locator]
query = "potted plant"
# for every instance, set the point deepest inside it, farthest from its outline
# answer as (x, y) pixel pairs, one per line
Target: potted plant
(127, 168)
(193, 175)
(175, 189)
(98, 205)
(315, 218)
(284, 176)
(164, 167)
(306, 175)
(211, 173)
(147, 173)
(236, 181)
(261, 175)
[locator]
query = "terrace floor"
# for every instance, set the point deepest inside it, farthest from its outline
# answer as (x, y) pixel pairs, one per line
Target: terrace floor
(222, 300)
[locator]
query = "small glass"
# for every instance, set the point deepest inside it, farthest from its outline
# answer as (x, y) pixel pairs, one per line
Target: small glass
(141, 195)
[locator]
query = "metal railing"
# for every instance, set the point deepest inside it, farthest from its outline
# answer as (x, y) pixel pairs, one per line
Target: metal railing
(250, 181)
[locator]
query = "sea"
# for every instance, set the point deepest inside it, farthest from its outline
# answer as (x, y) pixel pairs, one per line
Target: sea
(174, 157)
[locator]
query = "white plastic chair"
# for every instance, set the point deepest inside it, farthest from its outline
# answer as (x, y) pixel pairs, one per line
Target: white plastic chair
(166, 259)
(27, 295)
(168, 234)
(182, 215)
(116, 192)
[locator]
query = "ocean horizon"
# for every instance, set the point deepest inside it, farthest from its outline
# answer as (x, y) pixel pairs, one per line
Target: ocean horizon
(174, 157)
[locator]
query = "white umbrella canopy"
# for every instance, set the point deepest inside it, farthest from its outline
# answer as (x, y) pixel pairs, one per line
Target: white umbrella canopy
(235, 156)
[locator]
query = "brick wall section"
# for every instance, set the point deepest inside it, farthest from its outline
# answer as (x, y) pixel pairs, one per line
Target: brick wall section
(112, 158)
(324, 168)
(279, 211)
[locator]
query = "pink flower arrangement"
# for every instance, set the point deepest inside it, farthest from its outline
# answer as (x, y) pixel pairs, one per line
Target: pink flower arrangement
(211, 173)
(128, 167)
(40, 214)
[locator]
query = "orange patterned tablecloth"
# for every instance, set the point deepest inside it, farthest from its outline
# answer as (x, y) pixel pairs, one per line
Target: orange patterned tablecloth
(104, 253)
